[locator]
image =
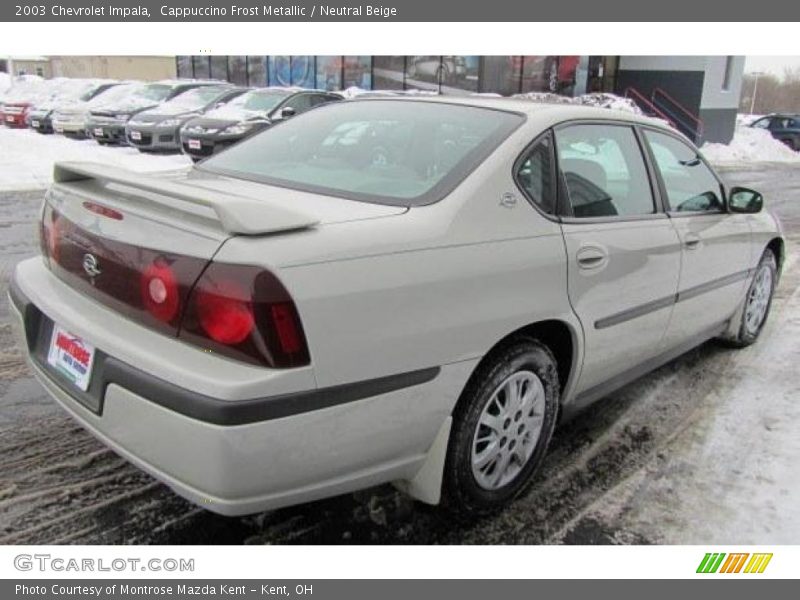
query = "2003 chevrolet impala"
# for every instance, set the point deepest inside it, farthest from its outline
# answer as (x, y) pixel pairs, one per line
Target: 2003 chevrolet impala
(384, 290)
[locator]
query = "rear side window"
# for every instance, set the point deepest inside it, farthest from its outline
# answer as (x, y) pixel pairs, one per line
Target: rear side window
(604, 171)
(535, 175)
(384, 151)
(690, 184)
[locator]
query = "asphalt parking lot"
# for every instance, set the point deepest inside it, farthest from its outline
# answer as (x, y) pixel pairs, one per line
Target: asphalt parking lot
(694, 452)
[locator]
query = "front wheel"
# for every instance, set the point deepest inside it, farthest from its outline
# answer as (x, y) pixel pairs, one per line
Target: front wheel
(758, 300)
(501, 428)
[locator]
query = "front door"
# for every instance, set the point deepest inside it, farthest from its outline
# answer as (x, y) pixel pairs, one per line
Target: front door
(623, 253)
(715, 249)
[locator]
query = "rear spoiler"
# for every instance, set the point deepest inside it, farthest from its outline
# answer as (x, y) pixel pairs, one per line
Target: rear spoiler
(237, 214)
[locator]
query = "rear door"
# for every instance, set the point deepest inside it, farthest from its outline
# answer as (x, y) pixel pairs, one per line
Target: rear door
(623, 254)
(715, 244)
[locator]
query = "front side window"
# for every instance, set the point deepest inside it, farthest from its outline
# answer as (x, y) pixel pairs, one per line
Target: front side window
(690, 184)
(762, 123)
(604, 171)
(535, 175)
(383, 151)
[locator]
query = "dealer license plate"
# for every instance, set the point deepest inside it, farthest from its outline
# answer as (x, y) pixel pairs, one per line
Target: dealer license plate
(71, 357)
(35, 124)
(136, 135)
(10, 118)
(58, 129)
(98, 132)
(195, 145)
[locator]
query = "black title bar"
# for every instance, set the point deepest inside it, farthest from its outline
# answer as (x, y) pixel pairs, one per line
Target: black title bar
(399, 10)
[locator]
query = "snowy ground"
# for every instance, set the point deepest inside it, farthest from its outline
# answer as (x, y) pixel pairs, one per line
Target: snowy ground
(27, 157)
(703, 450)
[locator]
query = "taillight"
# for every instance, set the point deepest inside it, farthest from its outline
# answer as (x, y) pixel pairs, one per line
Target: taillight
(159, 288)
(244, 312)
(50, 230)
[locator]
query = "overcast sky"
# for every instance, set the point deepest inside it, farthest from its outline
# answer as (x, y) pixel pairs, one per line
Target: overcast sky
(770, 64)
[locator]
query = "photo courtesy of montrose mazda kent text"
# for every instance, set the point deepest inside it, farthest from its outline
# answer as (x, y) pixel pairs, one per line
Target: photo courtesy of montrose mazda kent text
(412, 290)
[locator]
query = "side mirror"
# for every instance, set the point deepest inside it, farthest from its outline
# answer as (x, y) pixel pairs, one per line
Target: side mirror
(744, 200)
(287, 112)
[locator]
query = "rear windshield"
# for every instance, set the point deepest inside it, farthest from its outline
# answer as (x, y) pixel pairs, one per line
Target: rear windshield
(382, 151)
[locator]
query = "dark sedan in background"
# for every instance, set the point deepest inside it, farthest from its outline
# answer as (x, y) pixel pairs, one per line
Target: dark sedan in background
(784, 127)
(245, 115)
(158, 129)
(106, 124)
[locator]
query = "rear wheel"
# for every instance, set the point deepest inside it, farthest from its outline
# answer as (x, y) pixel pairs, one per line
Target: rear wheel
(501, 427)
(758, 300)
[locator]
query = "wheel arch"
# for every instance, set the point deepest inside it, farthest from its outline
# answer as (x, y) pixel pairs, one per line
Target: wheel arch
(778, 248)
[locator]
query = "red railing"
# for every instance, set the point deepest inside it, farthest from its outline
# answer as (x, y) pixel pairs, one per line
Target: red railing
(698, 124)
(647, 105)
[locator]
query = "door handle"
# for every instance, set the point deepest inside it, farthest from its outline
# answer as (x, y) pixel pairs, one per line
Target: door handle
(591, 257)
(691, 241)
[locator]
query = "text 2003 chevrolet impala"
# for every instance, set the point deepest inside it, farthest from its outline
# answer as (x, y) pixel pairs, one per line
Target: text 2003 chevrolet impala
(384, 290)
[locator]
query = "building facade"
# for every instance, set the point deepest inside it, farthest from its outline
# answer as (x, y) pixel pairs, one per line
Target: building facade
(699, 94)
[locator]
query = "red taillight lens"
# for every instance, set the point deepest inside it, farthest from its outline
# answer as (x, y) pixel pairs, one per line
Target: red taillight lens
(244, 312)
(50, 235)
(159, 288)
(223, 316)
(284, 320)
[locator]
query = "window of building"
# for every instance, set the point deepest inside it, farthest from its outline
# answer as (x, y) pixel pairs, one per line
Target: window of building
(423, 72)
(604, 171)
(726, 78)
(690, 184)
(389, 72)
(201, 67)
(460, 74)
(501, 74)
(302, 71)
(257, 71)
(279, 70)
(237, 70)
(357, 72)
(329, 73)
(535, 175)
(184, 67)
(219, 68)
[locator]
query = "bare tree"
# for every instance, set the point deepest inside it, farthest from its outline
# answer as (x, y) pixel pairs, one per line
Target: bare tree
(772, 93)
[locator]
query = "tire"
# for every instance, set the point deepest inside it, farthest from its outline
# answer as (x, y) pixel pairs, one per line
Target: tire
(474, 484)
(758, 299)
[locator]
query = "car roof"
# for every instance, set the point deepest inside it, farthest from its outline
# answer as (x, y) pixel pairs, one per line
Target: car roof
(535, 111)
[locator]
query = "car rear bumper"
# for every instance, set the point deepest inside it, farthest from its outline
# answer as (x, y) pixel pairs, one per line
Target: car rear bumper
(232, 456)
(153, 138)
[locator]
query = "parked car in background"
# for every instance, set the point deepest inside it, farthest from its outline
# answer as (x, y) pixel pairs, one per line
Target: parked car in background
(70, 119)
(40, 115)
(246, 115)
(387, 290)
(784, 127)
(106, 123)
(159, 128)
(17, 100)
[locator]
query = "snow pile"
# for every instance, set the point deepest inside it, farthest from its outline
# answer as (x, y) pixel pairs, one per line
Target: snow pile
(600, 100)
(545, 97)
(750, 145)
(27, 157)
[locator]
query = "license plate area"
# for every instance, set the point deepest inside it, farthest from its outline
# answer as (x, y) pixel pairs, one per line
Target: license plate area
(92, 397)
(71, 356)
(35, 124)
(195, 145)
(136, 135)
(98, 132)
